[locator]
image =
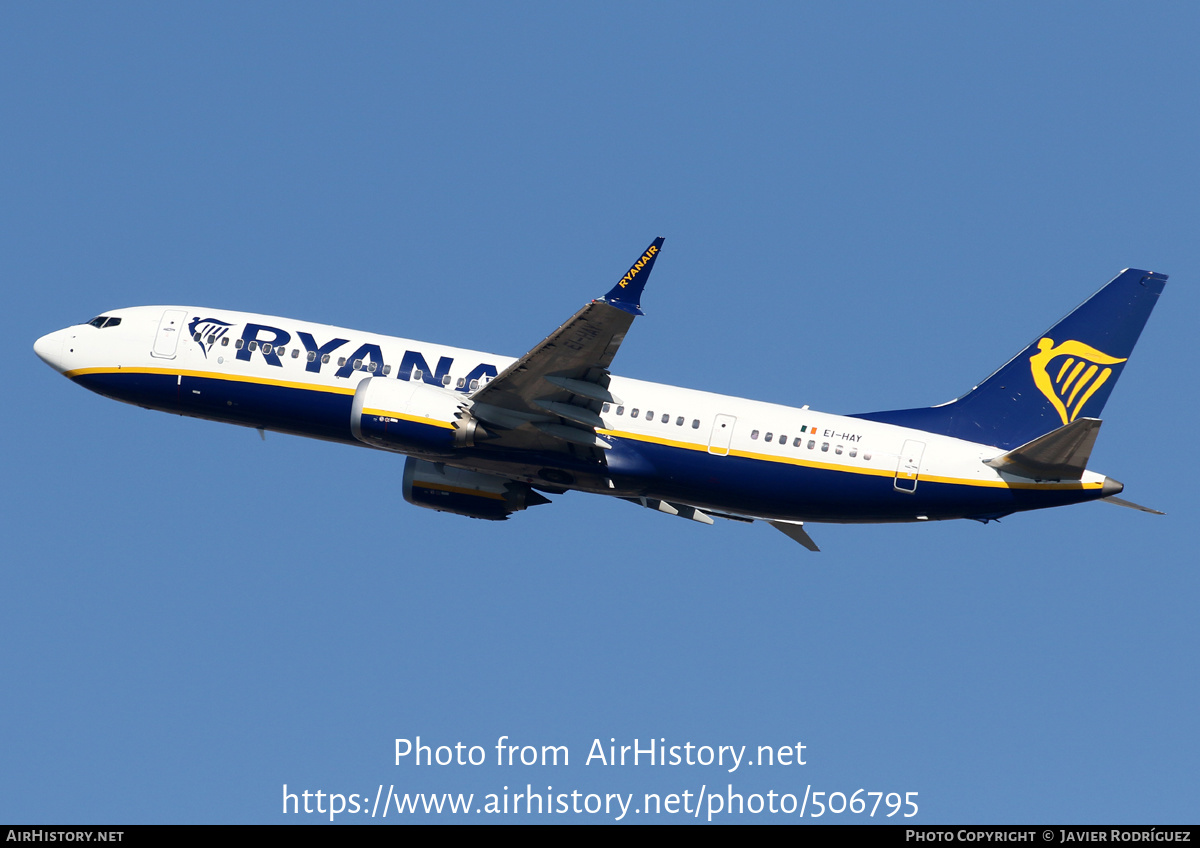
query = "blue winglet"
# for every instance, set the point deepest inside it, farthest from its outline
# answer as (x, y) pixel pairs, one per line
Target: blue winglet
(627, 293)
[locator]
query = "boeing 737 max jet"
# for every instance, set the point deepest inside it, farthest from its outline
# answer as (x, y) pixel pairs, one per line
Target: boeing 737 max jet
(485, 435)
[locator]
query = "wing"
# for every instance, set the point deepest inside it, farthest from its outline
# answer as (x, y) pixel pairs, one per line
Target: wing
(551, 397)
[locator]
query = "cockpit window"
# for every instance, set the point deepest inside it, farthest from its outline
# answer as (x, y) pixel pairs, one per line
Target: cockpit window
(102, 321)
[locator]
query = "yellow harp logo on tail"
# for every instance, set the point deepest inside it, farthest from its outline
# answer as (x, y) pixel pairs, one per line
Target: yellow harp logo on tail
(1069, 374)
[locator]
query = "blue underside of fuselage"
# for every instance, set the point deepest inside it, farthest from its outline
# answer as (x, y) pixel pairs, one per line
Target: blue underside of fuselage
(783, 490)
(323, 415)
(725, 483)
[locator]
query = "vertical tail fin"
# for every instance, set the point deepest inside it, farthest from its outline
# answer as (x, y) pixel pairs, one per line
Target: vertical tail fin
(1067, 373)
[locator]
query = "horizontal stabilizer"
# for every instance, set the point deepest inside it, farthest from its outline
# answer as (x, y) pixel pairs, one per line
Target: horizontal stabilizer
(1130, 505)
(795, 530)
(1061, 454)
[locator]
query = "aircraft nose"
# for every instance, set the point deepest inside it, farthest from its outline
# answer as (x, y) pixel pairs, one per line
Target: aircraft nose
(49, 349)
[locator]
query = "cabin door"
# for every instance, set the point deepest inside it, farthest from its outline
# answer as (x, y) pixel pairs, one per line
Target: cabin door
(722, 433)
(170, 327)
(909, 465)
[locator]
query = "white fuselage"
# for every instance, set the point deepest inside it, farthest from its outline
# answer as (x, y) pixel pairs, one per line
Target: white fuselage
(712, 451)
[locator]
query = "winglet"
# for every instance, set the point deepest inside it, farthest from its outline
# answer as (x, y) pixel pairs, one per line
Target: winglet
(627, 293)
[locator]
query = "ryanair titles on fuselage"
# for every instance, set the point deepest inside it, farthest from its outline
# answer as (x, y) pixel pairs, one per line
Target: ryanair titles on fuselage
(266, 340)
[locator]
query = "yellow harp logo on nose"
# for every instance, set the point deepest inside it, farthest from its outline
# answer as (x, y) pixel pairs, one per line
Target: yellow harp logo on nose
(1069, 374)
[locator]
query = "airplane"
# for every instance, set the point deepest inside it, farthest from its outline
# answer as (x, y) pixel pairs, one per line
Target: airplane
(486, 436)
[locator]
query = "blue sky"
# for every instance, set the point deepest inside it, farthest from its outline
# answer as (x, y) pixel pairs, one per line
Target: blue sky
(866, 206)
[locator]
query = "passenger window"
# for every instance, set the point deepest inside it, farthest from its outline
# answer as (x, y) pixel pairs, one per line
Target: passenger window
(605, 408)
(649, 415)
(767, 437)
(196, 336)
(811, 444)
(695, 423)
(281, 350)
(462, 383)
(225, 342)
(796, 443)
(357, 364)
(418, 373)
(238, 344)
(666, 419)
(474, 383)
(867, 457)
(325, 359)
(373, 367)
(782, 439)
(620, 410)
(341, 361)
(633, 414)
(825, 446)
(754, 434)
(387, 369)
(446, 380)
(679, 421)
(295, 353)
(853, 452)
(838, 450)
(266, 347)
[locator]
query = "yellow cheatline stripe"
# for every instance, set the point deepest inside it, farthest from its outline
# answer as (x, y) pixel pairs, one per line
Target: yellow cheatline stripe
(417, 419)
(1001, 484)
(764, 457)
(870, 472)
(459, 491)
(213, 375)
(262, 381)
(622, 434)
(639, 437)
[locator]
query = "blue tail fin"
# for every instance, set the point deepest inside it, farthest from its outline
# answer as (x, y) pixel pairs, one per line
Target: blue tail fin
(1066, 373)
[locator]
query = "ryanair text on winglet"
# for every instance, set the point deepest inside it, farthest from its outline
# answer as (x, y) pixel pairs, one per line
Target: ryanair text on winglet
(637, 266)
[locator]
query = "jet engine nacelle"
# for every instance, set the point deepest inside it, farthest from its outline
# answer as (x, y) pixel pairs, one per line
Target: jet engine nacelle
(435, 485)
(411, 417)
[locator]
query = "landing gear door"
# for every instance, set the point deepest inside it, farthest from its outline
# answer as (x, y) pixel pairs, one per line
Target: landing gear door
(722, 433)
(909, 465)
(170, 327)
